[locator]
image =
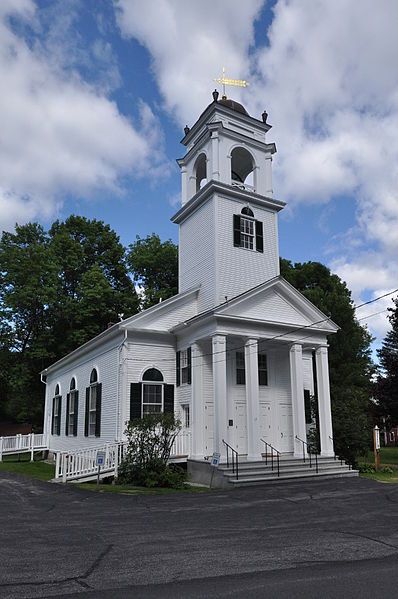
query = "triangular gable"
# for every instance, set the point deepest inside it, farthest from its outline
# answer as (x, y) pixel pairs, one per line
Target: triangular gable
(277, 302)
(167, 314)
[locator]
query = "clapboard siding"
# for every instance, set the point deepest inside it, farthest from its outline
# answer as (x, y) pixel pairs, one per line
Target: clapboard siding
(167, 318)
(238, 269)
(273, 307)
(197, 255)
(106, 362)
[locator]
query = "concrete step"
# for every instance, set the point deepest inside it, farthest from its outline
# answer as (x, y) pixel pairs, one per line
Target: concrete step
(285, 463)
(266, 480)
(250, 474)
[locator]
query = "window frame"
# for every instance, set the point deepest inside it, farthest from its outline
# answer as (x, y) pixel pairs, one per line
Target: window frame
(92, 412)
(247, 232)
(262, 370)
(146, 385)
(56, 420)
(240, 371)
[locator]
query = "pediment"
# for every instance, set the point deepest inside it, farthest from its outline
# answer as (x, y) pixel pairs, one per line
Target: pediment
(279, 303)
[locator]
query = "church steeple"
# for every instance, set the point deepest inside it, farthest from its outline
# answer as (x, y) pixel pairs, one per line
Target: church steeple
(227, 204)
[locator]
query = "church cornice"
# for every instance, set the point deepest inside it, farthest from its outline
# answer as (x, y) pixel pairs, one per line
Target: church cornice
(226, 111)
(216, 187)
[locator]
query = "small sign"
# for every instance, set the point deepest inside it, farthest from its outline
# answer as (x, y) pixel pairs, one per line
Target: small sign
(215, 459)
(100, 458)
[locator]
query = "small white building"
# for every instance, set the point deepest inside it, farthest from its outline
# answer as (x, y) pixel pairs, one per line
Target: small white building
(238, 351)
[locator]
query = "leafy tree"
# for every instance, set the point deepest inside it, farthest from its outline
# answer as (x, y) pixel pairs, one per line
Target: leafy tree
(58, 289)
(350, 362)
(154, 265)
(386, 388)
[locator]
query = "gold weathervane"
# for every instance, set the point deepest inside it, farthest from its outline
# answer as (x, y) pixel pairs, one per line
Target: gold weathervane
(226, 81)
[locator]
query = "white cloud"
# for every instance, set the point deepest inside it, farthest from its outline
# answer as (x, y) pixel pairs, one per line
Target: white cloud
(189, 43)
(59, 134)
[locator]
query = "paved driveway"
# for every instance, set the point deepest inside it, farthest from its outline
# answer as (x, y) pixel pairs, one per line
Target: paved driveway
(336, 538)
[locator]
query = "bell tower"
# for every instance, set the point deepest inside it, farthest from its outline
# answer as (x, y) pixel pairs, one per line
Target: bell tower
(228, 240)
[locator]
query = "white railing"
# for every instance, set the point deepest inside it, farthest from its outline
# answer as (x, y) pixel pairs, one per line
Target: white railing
(22, 444)
(83, 463)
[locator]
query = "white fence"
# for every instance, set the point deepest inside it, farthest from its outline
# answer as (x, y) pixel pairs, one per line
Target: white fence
(82, 464)
(22, 444)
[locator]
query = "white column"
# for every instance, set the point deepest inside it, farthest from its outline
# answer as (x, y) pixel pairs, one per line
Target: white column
(324, 408)
(215, 169)
(268, 177)
(197, 425)
(252, 400)
(184, 185)
(219, 347)
(297, 389)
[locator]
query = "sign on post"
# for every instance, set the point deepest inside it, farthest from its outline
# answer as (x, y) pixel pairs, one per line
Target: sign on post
(376, 446)
(215, 459)
(100, 462)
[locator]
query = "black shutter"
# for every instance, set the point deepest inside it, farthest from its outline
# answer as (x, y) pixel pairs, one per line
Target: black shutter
(178, 370)
(98, 411)
(52, 420)
(169, 399)
(189, 360)
(259, 236)
(135, 400)
(75, 416)
(59, 416)
(87, 412)
(307, 406)
(67, 413)
(237, 230)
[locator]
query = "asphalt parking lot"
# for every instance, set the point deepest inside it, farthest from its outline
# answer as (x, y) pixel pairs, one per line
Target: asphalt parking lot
(336, 538)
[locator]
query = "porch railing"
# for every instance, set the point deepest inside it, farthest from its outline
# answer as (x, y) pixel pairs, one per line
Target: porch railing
(23, 444)
(234, 459)
(80, 464)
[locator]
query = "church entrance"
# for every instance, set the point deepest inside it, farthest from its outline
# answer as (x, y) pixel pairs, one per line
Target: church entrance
(285, 428)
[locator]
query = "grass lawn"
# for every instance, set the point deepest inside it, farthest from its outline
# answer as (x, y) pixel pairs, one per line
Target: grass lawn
(37, 469)
(388, 459)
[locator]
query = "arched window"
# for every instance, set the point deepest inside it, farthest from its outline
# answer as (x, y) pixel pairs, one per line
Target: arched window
(248, 232)
(242, 167)
(93, 376)
(200, 171)
(92, 425)
(56, 419)
(152, 374)
(151, 396)
(72, 409)
(247, 211)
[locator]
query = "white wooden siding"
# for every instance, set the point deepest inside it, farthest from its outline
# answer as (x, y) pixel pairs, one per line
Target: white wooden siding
(270, 306)
(238, 269)
(167, 318)
(197, 255)
(106, 361)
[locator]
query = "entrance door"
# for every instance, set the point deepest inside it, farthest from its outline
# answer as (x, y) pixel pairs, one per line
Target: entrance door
(209, 428)
(265, 423)
(285, 428)
(240, 427)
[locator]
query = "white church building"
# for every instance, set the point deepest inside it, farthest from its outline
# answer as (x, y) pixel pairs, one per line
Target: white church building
(238, 352)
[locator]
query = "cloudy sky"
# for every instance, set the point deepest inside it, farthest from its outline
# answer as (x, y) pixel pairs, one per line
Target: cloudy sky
(95, 95)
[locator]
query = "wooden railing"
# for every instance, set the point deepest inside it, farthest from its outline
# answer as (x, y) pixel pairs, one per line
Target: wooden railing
(75, 465)
(23, 444)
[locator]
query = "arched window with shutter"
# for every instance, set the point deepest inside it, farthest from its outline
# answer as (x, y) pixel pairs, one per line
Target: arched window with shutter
(151, 396)
(92, 424)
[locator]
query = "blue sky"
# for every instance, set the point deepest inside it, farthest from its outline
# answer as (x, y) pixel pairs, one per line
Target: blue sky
(95, 95)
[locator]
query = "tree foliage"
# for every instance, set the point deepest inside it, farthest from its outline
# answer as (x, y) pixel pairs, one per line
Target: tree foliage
(349, 354)
(58, 289)
(154, 265)
(386, 388)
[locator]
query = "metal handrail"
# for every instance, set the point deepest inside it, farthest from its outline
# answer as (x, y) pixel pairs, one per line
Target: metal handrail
(234, 459)
(339, 457)
(309, 453)
(278, 453)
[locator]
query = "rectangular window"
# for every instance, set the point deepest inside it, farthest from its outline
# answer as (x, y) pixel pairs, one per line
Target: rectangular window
(240, 368)
(185, 417)
(262, 370)
(57, 415)
(152, 399)
(71, 413)
(247, 233)
(92, 414)
(184, 367)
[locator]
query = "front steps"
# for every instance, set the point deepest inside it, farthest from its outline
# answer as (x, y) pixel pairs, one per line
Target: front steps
(261, 473)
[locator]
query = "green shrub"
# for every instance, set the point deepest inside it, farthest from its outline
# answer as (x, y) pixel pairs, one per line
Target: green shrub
(145, 464)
